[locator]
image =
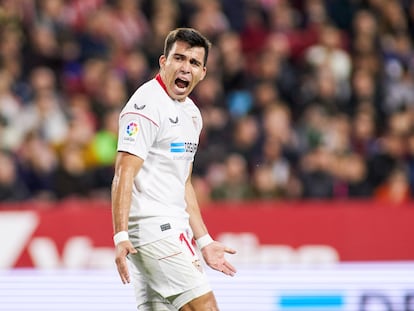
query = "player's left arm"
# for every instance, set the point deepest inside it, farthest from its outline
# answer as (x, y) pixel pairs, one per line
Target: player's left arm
(213, 251)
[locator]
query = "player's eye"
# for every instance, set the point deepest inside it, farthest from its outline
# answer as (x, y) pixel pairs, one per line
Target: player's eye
(195, 62)
(178, 57)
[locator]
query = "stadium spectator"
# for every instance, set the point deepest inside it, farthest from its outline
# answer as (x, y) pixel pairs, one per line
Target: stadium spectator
(9, 110)
(235, 184)
(72, 178)
(246, 140)
(12, 186)
(37, 163)
(264, 185)
(395, 189)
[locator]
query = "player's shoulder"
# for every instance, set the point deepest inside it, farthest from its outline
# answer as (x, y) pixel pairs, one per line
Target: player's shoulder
(146, 98)
(150, 91)
(191, 106)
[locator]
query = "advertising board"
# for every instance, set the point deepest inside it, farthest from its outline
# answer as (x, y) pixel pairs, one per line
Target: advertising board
(77, 234)
(298, 256)
(342, 287)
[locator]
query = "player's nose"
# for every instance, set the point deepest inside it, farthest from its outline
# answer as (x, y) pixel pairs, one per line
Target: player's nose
(185, 67)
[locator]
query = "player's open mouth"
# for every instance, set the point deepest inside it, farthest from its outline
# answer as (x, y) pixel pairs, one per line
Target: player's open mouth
(181, 83)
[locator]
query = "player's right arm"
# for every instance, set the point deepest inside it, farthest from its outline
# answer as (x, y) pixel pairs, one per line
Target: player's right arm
(126, 168)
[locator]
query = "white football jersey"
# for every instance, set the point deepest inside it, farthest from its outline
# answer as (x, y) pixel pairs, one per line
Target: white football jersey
(165, 134)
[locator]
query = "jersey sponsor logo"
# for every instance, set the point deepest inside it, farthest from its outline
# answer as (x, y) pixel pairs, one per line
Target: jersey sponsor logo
(174, 121)
(165, 227)
(131, 132)
(139, 107)
(177, 147)
(181, 147)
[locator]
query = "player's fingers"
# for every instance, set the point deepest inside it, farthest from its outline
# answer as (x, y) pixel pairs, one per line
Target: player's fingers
(227, 271)
(123, 269)
(123, 272)
(230, 250)
(227, 268)
(132, 250)
(230, 268)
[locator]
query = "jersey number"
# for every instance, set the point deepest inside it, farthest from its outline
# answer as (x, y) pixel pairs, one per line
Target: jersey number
(183, 238)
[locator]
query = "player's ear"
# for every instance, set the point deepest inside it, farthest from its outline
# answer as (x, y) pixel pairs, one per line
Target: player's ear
(162, 60)
(203, 74)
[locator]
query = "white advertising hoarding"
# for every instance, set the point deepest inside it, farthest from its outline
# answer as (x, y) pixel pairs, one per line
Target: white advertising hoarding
(342, 287)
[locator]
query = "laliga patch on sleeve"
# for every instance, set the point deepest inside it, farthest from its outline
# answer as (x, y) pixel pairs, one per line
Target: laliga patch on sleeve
(130, 133)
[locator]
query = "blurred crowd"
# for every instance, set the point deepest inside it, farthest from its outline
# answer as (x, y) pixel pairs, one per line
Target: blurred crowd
(305, 99)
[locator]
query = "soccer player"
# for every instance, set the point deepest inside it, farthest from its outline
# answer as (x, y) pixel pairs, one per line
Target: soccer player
(154, 207)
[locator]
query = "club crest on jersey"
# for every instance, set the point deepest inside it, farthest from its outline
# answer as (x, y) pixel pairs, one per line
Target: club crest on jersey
(197, 265)
(130, 132)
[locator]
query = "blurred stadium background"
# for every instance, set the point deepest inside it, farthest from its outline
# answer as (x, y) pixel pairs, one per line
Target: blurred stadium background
(305, 164)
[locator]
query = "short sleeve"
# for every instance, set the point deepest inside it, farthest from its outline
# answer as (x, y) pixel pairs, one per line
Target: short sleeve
(137, 133)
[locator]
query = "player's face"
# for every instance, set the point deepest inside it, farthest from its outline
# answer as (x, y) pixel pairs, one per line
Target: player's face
(182, 69)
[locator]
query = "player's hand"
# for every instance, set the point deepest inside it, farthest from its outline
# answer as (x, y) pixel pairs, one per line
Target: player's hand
(213, 255)
(122, 249)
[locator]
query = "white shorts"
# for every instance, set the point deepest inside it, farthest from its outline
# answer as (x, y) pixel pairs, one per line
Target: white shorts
(167, 274)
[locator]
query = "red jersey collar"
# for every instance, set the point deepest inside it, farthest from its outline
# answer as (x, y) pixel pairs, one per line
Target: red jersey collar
(158, 78)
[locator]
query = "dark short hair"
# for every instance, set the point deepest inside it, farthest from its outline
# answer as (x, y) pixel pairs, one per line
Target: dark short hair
(190, 36)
